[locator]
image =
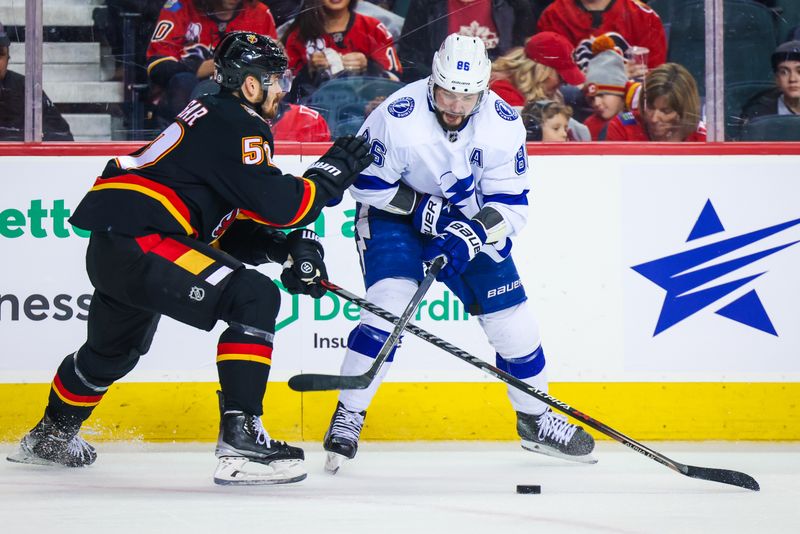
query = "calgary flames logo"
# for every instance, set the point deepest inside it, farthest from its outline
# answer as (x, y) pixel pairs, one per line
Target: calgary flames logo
(223, 225)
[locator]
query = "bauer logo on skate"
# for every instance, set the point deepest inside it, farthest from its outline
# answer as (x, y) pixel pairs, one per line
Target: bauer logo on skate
(691, 288)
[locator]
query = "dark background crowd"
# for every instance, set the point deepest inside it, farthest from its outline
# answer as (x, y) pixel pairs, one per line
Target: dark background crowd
(577, 70)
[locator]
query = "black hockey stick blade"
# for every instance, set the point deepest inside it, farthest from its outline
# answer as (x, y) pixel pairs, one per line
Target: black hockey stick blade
(725, 476)
(314, 382)
(317, 382)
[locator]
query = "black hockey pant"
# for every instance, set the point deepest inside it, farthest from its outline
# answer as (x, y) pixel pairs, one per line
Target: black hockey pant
(137, 280)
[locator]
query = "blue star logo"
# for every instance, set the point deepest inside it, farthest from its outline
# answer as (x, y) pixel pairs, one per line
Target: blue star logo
(680, 275)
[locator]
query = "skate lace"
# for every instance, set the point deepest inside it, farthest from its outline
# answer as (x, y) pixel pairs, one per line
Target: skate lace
(79, 448)
(556, 427)
(347, 424)
(261, 435)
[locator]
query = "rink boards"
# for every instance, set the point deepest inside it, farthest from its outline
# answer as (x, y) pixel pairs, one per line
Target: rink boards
(665, 284)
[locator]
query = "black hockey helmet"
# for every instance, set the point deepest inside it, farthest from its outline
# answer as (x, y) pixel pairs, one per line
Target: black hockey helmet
(242, 54)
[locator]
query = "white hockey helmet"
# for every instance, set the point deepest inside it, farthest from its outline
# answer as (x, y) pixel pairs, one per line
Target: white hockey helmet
(461, 65)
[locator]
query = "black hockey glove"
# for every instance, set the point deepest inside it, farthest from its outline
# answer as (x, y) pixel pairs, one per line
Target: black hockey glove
(254, 243)
(304, 267)
(339, 167)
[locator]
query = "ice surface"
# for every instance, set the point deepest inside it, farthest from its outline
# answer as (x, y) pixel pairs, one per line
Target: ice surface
(414, 488)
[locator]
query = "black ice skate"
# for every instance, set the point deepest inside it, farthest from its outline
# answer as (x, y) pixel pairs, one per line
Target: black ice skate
(247, 455)
(551, 434)
(52, 443)
(341, 439)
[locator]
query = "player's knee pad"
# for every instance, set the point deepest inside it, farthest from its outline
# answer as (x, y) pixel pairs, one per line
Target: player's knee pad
(523, 367)
(250, 299)
(391, 294)
(513, 332)
(368, 340)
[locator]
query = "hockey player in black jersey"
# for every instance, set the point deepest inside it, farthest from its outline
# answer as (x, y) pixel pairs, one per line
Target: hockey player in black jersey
(172, 226)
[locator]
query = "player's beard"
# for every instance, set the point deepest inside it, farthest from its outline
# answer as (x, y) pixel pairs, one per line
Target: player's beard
(269, 108)
(448, 127)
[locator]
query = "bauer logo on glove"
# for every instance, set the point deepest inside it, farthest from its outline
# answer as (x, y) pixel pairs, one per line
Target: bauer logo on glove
(469, 236)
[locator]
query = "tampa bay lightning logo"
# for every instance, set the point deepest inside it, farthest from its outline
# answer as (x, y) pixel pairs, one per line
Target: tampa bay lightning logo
(505, 111)
(402, 107)
(458, 189)
(681, 275)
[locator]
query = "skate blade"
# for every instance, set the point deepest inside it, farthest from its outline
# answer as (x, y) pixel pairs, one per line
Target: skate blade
(555, 453)
(333, 462)
(24, 457)
(240, 471)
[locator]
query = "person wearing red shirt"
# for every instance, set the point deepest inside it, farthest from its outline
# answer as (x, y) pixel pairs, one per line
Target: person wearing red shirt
(181, 48)
(579, 19)
(328, 38)
(300, 123)
(500, 24)
(607, 89)
(669, 110)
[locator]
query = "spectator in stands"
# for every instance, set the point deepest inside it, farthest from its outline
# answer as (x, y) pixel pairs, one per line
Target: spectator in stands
(328, 39)
(669, 109)
(538, 7)
(633, 69)
(12, 103)
(180, 52)
(283, 11)
(299, 123)
(393, 21)
(546, 120)
(517, 79)
(784, 98)
(501, 24)
(581, 19)
(553, 55)
(607, 88)
(553, 51)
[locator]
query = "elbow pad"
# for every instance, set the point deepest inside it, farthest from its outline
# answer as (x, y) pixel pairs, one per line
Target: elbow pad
(404, 202)
(494, 224)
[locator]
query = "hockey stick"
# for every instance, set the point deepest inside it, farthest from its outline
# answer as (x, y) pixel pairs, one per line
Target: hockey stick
(316, 382)
(725, 476)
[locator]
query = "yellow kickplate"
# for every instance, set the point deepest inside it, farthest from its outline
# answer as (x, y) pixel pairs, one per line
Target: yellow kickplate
(172, 411)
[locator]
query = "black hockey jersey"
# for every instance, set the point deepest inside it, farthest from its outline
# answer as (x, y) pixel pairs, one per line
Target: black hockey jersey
(208, 168)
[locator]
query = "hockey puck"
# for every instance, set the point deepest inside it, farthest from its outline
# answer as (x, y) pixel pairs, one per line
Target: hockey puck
(529, 489)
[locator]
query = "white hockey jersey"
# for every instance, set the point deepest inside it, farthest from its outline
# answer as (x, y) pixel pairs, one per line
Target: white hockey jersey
(483, 164)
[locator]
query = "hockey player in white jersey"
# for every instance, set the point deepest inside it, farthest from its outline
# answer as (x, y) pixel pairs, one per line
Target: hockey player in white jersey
(450, 178)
